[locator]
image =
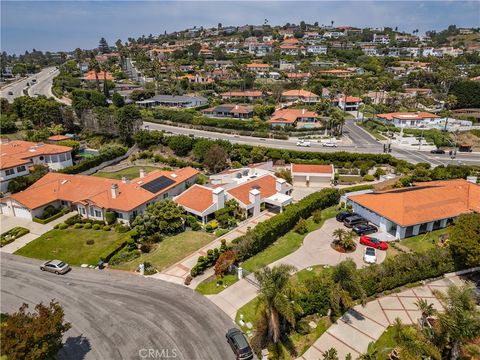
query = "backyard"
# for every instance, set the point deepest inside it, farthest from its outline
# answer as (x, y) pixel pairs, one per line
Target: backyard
(170, 250)
(130, 172)
(70, 245)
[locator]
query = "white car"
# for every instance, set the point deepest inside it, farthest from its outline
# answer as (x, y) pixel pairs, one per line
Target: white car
(303, 143)
(329, 144)
(370, 256)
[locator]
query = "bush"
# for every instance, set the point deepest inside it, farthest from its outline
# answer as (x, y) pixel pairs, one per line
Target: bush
(56, 215)
(211, 226)
(221, 232)
(62, 226)
(368, 177)
(301, 227)
(73, 220)
(106, 228)
(78, 226)
(149, 269)
(110, 217)
(87, 226)
(12, 234)
(124, 255)
(107, 153)
(120, 228)
(96, 227)
(317, 216)
(90, 242)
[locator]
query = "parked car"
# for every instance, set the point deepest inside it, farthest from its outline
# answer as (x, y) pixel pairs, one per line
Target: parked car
(353, 220)
(370, 256)
(303, 143)
(56, 266)
(438, 151)
(239, 344)
(342, 215)
(373, 242)
(365, 229)
(329, 144)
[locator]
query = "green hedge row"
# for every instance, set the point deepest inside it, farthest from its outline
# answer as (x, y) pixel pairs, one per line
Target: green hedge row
(94, 161)
(51, 218)
(12, 234)
(267, 232)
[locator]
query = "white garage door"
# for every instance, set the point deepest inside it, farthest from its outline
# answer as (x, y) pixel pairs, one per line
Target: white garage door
(299, 180)
(318, 180)
(22, 212)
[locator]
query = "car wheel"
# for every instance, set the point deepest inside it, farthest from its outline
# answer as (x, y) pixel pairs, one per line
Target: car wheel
(42, 268)
(56, 272)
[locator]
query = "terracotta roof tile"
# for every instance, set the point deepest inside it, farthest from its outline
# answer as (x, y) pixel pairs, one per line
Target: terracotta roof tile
(265, 184)
(197, 197)
(312, 168)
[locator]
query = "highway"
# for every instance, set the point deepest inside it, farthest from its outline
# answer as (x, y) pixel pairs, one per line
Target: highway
(363, 143)
(119, 315)
(16, 88)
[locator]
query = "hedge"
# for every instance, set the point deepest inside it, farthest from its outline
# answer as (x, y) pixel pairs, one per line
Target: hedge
(12, 234)
(94, 161)
(267, 232)
(51, 218)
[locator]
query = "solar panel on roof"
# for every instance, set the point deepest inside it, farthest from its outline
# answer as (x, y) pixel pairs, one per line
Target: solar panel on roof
(159, 184)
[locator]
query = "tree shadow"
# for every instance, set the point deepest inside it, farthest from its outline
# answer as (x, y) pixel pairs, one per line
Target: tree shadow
(75, 348)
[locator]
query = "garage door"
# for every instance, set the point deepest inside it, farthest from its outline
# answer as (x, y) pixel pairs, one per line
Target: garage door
(4, 208)
(22, 212)
(299, 180)
(318, 180)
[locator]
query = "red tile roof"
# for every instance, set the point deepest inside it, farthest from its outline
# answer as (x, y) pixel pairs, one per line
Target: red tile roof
(265, 184)
(312, 168)
(197, 197)
(419, 115)
(290, 115)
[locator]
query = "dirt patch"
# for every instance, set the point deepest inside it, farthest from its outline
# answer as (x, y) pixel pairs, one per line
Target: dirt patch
(469, 139)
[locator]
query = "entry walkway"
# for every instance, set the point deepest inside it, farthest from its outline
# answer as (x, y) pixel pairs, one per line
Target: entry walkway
(360, 326)
(36, 230)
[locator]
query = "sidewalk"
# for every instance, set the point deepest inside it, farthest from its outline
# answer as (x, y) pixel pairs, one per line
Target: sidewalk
(177, 273)
(360, 326)
(36, 230)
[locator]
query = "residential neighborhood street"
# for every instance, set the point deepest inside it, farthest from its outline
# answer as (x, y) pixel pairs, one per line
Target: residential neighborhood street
(117, 315)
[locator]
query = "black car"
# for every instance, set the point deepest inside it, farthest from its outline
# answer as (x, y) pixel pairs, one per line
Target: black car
(342, 215)
(239, 344)
(365, 229)
(438, 151)
(354, 220)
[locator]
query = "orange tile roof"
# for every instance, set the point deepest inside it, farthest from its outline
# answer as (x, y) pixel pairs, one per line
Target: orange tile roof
(20, 152)
(299, 93)
(290, 115)
(351, 99)
(408, 115)
(242, 93)
(265, 184)
(297, 75)
(312, 168)
(255, 65)
(90, 76)
(59, 138)
(423, 202)
(197, 197)
(96, 190)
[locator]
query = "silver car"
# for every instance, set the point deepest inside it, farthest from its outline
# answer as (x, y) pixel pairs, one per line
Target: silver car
(56, 266)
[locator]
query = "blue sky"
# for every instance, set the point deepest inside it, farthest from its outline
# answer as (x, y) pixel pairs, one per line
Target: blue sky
(65, 25)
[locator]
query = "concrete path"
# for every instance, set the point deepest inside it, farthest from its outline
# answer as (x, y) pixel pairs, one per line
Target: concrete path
(315, 250)
(360, 326)
(178, 272)
(36, 230)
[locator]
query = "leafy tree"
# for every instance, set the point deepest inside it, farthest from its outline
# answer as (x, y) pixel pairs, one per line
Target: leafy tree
(117, 100)
(284, 174)
(216, 159)
(7, 125)
(129, 120)
(19, 69)
(35, 335)
(464, 240)
(348, 283)
(467, 93)
(103, 46)
(164, 217)
(146, 138)
(181, 144)
(224, 261)
(275, 292)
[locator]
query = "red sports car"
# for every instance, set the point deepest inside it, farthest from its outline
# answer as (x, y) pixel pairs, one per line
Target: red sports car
(373, 242)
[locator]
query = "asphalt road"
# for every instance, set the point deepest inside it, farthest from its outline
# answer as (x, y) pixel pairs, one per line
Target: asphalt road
(115, 315)
(18, 86)
(363, 143)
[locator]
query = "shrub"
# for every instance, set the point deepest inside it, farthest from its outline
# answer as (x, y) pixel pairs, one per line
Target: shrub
(224, 262)
(317, 216)
(211, 226)
(90, 242)
(62, 226)
(110, 217)
(49, 211)
(12, 234)
(73, 220)
(301, 227)
(96, 227)
(120, 228)
(106, 228)
(368, 177)
(56, 226)
(78, 226)
(149, 269)
(87, 226)
(146, 247)
(124, 255)
(221, 232)
(56, 214)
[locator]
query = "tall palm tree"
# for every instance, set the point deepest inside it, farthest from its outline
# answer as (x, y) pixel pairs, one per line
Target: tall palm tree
(339, 234)
(449, 103)
(426, 308)
(274, 296)
(93, 65)
(412, 345)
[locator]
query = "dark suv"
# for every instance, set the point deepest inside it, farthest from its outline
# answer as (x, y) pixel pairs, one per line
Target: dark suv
(353, 220)
(239, 344)
(342, 215)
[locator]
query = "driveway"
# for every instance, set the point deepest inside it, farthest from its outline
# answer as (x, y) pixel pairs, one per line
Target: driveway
(114, 315)
(316, 250)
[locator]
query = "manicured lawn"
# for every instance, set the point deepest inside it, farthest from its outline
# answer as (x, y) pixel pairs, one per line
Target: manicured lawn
(285, 245)
(385, 344)
(249, 311)
(131, 172)
(304, 275)
(170, 250)
(209, 286)
(423, 242)
(70, 245)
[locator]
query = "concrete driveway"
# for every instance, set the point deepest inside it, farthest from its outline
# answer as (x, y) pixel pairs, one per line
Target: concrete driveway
(316, 250)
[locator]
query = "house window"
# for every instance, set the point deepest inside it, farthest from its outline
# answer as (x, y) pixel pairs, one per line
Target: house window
(69, 157)
(92, 213)
(21, 168)
(62, 157)
(54, 158)
(120, 215)
(98, 213)
(9, 172)
(165, 195)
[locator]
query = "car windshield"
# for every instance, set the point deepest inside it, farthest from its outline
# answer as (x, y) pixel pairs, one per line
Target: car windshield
(375, 241)
(240, 340)
(370, 252)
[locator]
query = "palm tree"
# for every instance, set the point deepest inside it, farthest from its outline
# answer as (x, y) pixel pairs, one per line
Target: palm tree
(93, 65)
(460, 322)
(449, 103)
(426, 308)
(338, 234)
(347, 241)
(330, 354)
(371, 354)
(412, 344)
(274, 296)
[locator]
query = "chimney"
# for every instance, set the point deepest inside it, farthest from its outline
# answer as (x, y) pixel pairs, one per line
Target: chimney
(219, 198)
(303, 111)
(125, 180)
(281, 185)
(254, 197)
(142, 173)
(236, 107)
(114, 190)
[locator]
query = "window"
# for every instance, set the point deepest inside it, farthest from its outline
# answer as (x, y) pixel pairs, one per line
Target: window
(69, 157)
(91, 212)
(62, 157)
(165, 195)
(120, 215)
(21, 168)
(9, 172)
(98, 213)
(54, 158)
